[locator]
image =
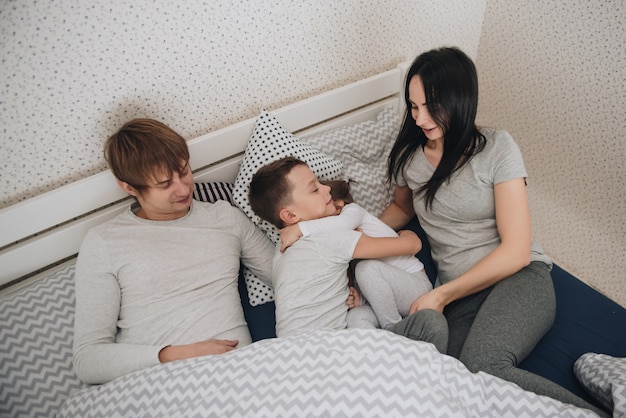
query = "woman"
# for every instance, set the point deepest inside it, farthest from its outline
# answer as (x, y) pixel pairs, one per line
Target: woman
(467, 186)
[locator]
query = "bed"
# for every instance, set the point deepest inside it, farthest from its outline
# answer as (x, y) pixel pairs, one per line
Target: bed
(347, 132)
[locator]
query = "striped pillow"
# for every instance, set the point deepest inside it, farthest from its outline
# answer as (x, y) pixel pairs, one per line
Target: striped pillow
(213, 191)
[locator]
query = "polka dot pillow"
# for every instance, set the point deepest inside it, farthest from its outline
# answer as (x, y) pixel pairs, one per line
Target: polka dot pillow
(271, 142)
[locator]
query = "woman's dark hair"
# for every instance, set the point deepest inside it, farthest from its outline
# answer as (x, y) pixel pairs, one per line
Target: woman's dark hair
(451, 88)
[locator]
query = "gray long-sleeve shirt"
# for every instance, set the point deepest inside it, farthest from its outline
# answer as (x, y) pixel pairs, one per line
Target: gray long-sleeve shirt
(142, 285)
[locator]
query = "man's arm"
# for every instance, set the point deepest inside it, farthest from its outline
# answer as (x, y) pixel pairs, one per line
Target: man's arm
(257, 250)
(98, 358)
(202, 348)
(406, 243)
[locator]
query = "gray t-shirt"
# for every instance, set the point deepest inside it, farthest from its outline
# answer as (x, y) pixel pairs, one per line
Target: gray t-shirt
(142, 285)
(311, 282)
(461, 227)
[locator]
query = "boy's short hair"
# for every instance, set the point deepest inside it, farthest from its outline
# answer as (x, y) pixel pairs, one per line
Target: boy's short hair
(270, 190)
(143, 149)
(339, 190)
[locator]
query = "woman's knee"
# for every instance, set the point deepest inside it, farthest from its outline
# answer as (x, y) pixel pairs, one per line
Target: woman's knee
(492, 360)
(425, 325)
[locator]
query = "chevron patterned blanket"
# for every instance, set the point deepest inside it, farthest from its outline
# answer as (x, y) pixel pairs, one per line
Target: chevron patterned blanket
(360, 373)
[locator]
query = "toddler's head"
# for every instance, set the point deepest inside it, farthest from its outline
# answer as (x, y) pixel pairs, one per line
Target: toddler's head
(340, 191)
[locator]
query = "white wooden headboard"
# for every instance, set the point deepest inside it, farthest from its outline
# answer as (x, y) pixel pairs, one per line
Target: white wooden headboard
(47, 229)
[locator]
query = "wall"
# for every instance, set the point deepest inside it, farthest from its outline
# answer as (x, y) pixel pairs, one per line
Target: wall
(554, 75)
(74, 71)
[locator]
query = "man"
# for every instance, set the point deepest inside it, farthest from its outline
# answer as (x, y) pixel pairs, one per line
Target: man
(159, 282)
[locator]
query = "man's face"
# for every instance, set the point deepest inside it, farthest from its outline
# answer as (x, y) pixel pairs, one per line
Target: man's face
(310, 199)
(167, 197)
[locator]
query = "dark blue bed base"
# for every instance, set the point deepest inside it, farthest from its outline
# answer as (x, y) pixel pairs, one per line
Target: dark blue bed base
(586, 321)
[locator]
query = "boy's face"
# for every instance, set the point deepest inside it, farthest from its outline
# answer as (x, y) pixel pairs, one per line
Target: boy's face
(310, 199)
(166, 197)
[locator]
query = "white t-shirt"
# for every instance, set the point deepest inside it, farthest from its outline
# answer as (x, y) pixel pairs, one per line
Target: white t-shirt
(311, 282)
(353, 216)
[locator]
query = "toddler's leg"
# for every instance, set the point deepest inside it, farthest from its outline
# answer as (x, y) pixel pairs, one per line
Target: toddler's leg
(389, 290)
(362, 317)
(408, 287)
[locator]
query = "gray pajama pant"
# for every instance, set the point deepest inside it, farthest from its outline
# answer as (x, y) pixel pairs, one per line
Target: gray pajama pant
(495, 329)
(389, 290)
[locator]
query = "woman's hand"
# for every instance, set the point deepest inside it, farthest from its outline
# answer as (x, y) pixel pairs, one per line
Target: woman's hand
(289, 235)
(202, 348)
(431, 300)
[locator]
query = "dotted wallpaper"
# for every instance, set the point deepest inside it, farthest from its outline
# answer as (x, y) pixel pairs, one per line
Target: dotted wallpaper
(554, 75)
(75, 70)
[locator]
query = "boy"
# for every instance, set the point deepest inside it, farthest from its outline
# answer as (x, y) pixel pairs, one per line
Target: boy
(389, 285)
(310, 277)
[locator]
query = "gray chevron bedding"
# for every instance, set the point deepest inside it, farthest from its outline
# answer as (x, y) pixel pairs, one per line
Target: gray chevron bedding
(36, 326)
(360, 373)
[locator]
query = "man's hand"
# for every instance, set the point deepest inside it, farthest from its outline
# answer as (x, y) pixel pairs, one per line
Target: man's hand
(202, 348)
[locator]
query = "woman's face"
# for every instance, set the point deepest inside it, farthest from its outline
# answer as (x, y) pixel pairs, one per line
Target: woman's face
(419, 110)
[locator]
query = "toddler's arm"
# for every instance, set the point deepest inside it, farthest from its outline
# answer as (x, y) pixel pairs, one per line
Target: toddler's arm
(351, 217)
(289, 235)
(406, 243)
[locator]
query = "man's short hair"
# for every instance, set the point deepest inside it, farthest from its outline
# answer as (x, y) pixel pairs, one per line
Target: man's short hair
(143, 149)
(270, 190)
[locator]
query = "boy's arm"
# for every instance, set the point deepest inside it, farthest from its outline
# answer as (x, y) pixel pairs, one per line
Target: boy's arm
(406, 243)
(351, 217)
